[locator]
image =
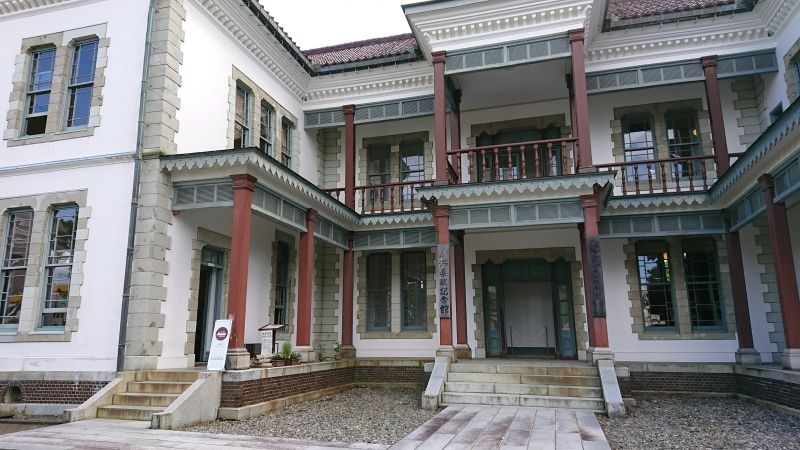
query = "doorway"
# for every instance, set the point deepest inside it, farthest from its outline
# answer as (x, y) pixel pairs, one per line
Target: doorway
(528, 309)
(209, 302)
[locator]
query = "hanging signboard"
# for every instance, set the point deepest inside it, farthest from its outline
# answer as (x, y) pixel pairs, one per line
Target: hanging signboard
(268, 339)
(219, 344)
(443, 280)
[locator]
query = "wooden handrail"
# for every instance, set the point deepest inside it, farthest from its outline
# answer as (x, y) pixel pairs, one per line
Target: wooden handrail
(459, 151)
(666, 175)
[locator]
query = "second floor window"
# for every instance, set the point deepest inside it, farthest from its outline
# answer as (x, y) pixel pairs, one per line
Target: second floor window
(412, 165)
(639, 145)
(286, 144)
(14, 265)
(655, 284)
(81, 84)
(281, 282)
(58, 265)
(379, 292)
(39, 86)
(683, 140)
(241, 127)
(379, 171)
(266, 128)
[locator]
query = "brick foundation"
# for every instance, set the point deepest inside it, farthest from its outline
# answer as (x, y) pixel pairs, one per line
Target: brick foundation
(717, 383)
(251, 392)
(53, 391)
(400, 374)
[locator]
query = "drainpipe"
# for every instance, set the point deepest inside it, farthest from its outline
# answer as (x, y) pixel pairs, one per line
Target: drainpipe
(137, 174)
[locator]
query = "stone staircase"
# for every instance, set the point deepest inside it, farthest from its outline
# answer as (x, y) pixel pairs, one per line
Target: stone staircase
(151, 392)
(517, 383)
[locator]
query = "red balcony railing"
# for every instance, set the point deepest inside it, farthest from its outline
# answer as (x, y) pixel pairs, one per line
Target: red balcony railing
(337, 193)
(386, 197)
(518, 161)
(661, 176)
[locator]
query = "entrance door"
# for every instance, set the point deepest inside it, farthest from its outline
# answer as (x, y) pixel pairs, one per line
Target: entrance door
(209, 302)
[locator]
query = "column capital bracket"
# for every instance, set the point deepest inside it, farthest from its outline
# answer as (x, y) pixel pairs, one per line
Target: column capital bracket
(244, 181)
(349, 109)
(709, 61)
(576, 35)
(311, 215)
(438, 57)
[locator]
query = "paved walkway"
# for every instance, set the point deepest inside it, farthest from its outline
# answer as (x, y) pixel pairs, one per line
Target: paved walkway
(507, 427)
(457, 427)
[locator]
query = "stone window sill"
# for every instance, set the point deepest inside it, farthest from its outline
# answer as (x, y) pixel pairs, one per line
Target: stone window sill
(50, 137)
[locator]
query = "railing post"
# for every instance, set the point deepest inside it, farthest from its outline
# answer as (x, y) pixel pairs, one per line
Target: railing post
(440, 117)
(349, 156)
(581, 101)
(715, 113)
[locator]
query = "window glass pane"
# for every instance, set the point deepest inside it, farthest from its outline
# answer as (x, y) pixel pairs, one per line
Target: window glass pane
(241, 127)
(639, 145)
(13, 284)
(655, 284)
(281, 282)
(702, 283)
(287, 129)
(80, 103)
(37, 103)
(414, 292)
(12, 273)
(683, 139)
(42, 69)
(83, 63)
(379, 291)
(265, 129)
(62, 235)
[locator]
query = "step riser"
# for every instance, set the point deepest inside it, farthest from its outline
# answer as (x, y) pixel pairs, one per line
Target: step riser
(523, 389)
(514, 400)
(524, 370)
(149, 387)
(124, 414)
(186, 377)
(144, 400)
(524, 379)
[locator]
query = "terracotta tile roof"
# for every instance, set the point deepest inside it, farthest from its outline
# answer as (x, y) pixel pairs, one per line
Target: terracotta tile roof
(629, 9)
(363, 50)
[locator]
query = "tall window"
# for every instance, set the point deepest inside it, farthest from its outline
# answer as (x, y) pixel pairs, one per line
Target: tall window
(266, 128)
(702, 282)
(412, 165)
(241, 127)
(39, 85)
(81, 84)
(683, 140)
(58, 265)
(655, 284)
(14, 265)
(287, 129)
(414, 292)
(639, 145)
(796, 69)
(379, 290)
(378, 171)
(281, 282)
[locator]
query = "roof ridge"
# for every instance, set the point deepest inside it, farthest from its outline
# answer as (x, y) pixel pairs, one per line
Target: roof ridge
(361, 43)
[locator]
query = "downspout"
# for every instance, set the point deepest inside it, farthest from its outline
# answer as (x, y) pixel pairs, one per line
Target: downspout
(137, 174)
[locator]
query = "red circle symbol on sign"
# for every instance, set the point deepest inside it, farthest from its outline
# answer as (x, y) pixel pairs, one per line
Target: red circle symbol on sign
(221, 333)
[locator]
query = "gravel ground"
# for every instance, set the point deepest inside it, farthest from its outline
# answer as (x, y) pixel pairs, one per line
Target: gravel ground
(373, 416)
(658, 422)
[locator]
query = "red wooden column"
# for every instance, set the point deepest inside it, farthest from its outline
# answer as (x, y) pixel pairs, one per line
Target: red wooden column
(715, 112)
(305, 282)
(439, 117)
(744, 331)
(441, 220)
(243, 187)
(784, 273)
(348, 351)
(581, 102)
(593, 274)
(349, 156)
(462, 348)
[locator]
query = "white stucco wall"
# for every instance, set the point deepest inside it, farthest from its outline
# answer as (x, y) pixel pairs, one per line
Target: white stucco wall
(126, 24)
(209, 55)
(94, 346)
(775, 85)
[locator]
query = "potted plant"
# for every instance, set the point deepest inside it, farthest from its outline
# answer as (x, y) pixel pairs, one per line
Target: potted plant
(337, 350)
(286, 352)
(296, 358)
(277, 360)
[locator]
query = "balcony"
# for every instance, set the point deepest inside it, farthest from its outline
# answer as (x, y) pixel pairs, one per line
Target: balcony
(387, 197)
(663, 176)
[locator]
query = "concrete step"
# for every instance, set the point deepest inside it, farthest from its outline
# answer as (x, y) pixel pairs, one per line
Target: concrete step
(143, 399)
(127, 412)
(453, 398)
(524, 389)
(158, 387)
(564, 370)
(507, 378)
(184, 376)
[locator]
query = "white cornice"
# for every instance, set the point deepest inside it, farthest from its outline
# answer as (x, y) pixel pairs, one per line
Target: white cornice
(13, 9)
(496, 21)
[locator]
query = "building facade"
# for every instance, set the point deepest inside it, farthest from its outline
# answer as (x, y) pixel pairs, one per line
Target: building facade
(565, 179)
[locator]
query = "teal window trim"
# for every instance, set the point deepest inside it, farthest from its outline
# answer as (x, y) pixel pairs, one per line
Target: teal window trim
(699, 286)
(414, 292)
(661, 282)
(379, 292)
(58, 266)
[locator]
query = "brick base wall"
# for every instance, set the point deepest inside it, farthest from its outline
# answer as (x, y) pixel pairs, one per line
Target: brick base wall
(718, 383)
(400, 374)
(53, 391)
(251, 392)
(775, 391)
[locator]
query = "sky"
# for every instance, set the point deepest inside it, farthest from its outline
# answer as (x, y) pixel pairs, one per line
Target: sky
(320, 23)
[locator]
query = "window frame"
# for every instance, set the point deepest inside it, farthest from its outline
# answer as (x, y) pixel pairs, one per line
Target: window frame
(287, 130)
(7, 265)
(74, 86)
(49, 266)
(714, 283)
(243, 122)
(422, 291)
(32, 90)
(409, 149)
(375, 295)
(684, 169)
(266, 131)
(630, 153)
(643, 286)
(281, 306)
